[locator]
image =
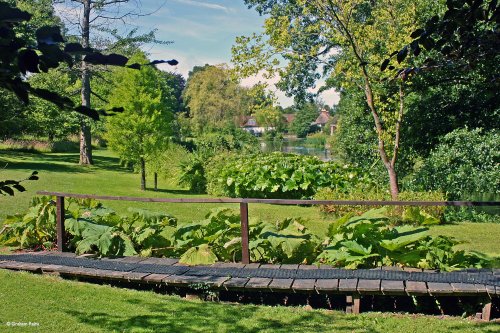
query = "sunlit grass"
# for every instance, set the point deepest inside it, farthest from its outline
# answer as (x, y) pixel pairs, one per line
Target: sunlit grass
(61, 172)
(58, 305)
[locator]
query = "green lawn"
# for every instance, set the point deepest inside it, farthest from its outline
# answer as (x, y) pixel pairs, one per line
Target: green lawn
(67, 306)
(61, 172)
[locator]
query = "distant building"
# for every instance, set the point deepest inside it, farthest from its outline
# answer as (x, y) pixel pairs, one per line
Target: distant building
(323, 119)
(250, 124)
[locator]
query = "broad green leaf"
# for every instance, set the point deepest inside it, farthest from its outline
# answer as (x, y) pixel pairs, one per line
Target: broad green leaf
(199, 255)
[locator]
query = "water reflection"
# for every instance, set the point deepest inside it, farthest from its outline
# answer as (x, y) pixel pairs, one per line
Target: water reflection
(295, 146)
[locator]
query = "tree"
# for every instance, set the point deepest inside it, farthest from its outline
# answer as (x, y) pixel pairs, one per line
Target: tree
(46, 119)
(304, 116)
(344, 41)
(214, 99)
(93, 14)
(22, 54)
(146, 124)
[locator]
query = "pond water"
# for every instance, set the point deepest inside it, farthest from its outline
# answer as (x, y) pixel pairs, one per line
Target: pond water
(295, 146)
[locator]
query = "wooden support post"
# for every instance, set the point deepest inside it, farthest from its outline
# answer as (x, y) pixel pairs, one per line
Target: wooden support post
(486, 315)
(245, 252)
(60, 224)
(353, 303)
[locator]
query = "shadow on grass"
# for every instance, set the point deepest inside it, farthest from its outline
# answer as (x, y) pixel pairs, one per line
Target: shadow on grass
(57, 162)
(184, 192)
(184, 316)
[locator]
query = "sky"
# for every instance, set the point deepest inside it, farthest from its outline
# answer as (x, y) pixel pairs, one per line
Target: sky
(202, 32)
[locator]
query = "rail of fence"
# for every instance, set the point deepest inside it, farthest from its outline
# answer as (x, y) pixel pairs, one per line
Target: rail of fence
(243, 202)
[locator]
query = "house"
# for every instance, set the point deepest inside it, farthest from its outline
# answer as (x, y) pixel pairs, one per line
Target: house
(323, 119)
(250, 124)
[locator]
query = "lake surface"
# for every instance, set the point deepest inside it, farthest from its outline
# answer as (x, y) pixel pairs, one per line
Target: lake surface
(295, 146)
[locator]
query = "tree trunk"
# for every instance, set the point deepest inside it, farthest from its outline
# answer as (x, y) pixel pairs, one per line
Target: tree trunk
(143, 174)
(85, 133)
(156, 181)
(393, 182)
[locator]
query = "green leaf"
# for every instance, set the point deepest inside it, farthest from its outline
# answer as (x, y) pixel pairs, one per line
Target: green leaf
(198, 255)
(406, 235)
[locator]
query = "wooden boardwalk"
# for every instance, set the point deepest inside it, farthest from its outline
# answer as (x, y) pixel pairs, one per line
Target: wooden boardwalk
(484, 284)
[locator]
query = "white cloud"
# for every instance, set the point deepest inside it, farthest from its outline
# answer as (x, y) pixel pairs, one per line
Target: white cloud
(203, 4)
(186, 61)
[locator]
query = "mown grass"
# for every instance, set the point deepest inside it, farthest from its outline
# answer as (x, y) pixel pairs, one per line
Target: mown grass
(61, 172)
(67, 306)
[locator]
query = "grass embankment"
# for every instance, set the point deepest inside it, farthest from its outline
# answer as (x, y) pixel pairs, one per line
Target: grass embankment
(58, 305)
(61, 172)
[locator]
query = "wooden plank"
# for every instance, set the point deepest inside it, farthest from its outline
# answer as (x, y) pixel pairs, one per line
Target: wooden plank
(392, 268)
(465, 289)
(281, 284)
(326, 285)
(213, 281)
(369, 287)
(12, 265)
(353, 304)
(289, 266)
(228, 265)
(303, 285)
(235, 283)
(253, 265)
(439, 288)
(348, 284)
(490, 290)
(390, 287)
(481, 288)
(134, 276)
(155, 278)
(32, 267)
(159, 261)
(133, 260)
(308, 267)
(51, 268)
(486, 312)
(269, 266)
(416, 288)
(258, 283)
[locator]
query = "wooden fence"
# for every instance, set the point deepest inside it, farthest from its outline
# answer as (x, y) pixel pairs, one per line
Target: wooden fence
(243, 202)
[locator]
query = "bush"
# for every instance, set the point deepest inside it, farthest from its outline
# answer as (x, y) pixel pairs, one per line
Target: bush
(465, 163)
(277, 175)
(374, 194)
(38, 146)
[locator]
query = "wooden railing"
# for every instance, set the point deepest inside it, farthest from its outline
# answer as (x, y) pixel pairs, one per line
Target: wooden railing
(243, 202)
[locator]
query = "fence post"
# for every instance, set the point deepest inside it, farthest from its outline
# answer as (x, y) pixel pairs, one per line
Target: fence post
(245, 252)
(60, 224)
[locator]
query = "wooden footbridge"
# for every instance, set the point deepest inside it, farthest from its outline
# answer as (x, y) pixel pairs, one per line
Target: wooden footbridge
(354, 284)
(482, 284)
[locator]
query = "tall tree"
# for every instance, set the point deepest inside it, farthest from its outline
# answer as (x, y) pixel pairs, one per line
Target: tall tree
(145, 126)
(94, 15)
(344, 41)
(214, 99)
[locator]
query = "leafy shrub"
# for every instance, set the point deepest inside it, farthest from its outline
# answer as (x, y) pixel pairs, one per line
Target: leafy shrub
(373, 194)
(218, 238)
(100, 230)
(193, 174)
(38, 146)
(357, 193)
(277, 175)
(208, 146)
(34, 229)
(367, 241)
(464, 163)
(370, 240)
(90, 228)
